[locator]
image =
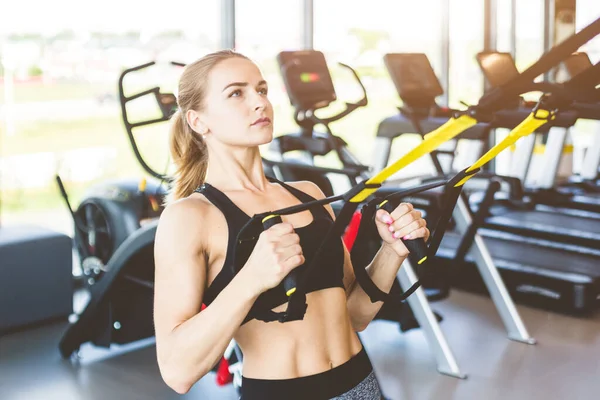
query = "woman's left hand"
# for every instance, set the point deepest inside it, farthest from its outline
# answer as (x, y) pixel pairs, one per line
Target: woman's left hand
(404, 223)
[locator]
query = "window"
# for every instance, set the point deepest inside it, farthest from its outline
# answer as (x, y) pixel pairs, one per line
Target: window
(587, 11)
(529, 32)
(503, 26)
(466, 40)
(263, 29)
(358, 35)
(59, 90)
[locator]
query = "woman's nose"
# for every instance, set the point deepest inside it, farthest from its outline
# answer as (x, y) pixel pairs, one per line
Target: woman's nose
(260, 101)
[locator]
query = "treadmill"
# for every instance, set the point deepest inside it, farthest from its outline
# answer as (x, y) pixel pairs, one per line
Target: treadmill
(541, 214)
(497, 68)
(585, 187)
(559, 277)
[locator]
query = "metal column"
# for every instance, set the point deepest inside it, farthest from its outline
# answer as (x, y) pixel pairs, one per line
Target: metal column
(308, 24)
(491, 277)
(228, 24)
(446, 363)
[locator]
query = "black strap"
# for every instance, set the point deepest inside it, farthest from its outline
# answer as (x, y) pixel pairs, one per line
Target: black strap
(297, 303)
(361, 256)
(360, 260)
(451, 195)
(220, 200)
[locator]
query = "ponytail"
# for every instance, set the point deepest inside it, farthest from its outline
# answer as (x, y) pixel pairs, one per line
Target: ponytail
(190, 157)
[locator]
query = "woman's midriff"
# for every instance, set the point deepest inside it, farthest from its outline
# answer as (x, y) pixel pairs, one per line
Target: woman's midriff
(321, 341)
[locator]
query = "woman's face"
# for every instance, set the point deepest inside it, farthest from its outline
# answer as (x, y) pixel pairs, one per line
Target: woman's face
(236, 110)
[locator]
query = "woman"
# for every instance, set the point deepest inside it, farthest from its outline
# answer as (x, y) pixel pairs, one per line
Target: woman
(224, 116)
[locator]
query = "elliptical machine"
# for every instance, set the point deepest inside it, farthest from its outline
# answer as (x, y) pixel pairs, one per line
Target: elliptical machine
(310, 88)
(112, 211)
(115, 226)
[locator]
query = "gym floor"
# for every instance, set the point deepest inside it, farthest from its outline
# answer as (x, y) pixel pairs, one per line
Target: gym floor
(563, 364)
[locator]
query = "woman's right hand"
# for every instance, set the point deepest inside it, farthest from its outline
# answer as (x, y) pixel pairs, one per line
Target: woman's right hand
(276, 253)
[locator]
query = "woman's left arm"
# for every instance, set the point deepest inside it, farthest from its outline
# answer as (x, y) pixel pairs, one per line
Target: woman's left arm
(403, 222)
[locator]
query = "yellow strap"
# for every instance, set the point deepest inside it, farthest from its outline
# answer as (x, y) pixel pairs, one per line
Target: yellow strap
(528, 126)
(431, 142)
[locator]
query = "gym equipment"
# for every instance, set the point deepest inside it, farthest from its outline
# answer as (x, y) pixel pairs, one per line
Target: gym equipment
(124, 216)
(511, 251)
(396, 166)
(522, 215)
(309, 141)
(588, 179)
(36, 267)
(106, 305)
(112, 211)
(414, 118)
(36, 283)
(541, 278)
(579, 193)
(109, 213)
(310, 88)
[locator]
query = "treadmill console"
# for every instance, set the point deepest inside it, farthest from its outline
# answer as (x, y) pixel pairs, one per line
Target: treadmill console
(498, 68)
(577, 63)
(306, 78)
(414, 78)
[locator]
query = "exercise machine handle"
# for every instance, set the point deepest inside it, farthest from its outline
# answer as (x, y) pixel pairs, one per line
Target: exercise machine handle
(291, 280)
(350, 107)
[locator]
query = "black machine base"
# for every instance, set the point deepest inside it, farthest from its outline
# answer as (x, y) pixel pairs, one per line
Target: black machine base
(557, 280)
(121, 303)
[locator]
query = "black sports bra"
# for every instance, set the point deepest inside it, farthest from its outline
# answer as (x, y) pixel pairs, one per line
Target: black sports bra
(329, 273)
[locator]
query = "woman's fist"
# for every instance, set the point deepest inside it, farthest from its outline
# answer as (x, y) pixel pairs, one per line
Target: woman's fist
(403, 223)
(276, 253)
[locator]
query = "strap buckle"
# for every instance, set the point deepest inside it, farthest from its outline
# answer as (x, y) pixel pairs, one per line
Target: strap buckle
(538, 112)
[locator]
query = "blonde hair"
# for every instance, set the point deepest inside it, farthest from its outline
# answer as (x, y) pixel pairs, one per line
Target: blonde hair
(188, 149)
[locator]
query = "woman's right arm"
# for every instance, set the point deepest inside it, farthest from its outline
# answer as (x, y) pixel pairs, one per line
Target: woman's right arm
(189, 342)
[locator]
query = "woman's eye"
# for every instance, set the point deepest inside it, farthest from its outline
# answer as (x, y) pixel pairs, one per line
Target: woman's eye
(235, 93)
(264, 91)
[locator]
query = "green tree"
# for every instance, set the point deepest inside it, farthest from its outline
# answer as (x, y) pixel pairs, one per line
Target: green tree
(35, 70)
(369, 39)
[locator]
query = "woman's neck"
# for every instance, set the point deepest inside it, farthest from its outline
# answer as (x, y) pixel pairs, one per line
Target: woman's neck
(237, 170)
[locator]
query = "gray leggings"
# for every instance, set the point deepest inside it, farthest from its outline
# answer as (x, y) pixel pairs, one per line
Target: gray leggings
(368, 389)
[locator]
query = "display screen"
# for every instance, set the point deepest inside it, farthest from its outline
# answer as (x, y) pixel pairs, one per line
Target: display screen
(307, 79)
(413, 76)
(577, 63)
(498, 68)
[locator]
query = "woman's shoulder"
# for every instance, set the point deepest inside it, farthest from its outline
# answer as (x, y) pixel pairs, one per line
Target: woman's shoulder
(313, 190)
(193, 205)
(309, 188)
(188, 214)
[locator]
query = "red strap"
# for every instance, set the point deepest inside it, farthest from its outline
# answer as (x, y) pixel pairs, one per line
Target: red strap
(352, 230)
(223, 375)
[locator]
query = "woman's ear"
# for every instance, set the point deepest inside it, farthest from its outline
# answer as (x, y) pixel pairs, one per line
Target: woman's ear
(194, 120)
